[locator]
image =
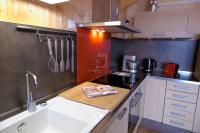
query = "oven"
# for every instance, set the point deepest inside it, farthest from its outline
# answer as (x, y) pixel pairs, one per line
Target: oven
(135, 112)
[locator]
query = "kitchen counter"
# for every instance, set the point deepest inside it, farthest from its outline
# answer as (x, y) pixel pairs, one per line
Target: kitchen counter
(184, 77)
(109, 102)
(124, 82)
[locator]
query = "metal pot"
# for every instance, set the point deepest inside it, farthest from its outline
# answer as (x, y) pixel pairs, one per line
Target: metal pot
(132, 65)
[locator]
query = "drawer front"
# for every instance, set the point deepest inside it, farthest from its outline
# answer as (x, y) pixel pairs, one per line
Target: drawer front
(178, 123)
(189, 107)
(182, 87)
(179, 114)
(180, 96)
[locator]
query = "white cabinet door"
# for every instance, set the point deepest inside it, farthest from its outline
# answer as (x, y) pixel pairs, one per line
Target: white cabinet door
(120, 122)
(142, 87)
(154, 99)
(196, 127)
(158, 26)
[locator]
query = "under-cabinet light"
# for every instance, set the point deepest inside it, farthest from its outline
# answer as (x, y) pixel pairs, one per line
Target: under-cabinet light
(98, 30)
(54, 1)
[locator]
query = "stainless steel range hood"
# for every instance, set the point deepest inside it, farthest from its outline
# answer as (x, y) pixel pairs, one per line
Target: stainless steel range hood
(110, 26)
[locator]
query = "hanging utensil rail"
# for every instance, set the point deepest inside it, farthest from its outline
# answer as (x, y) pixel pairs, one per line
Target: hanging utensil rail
(50, 32)
(41, 29)
(53, 36)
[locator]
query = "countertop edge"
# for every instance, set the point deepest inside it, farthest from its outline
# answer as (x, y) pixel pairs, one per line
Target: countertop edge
(111, 114)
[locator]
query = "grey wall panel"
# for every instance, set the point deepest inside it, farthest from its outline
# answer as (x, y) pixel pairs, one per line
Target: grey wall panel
(181, 51)
(21, 51)
(197, 62)
(117, 52)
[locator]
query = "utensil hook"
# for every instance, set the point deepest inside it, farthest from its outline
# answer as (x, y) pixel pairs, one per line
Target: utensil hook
(54, 37)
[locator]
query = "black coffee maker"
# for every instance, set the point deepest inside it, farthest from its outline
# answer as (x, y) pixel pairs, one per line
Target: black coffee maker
(149, 65)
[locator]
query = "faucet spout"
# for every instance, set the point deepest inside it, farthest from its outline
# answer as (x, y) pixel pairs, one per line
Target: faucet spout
(34, 78)
(31, 105)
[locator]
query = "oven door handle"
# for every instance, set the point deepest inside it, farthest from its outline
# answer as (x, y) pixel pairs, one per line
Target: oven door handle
(122, 113)
(136, 99)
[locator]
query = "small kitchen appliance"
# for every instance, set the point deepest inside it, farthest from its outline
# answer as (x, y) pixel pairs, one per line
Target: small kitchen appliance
(130, 64)
(149, 64)
(171, 69)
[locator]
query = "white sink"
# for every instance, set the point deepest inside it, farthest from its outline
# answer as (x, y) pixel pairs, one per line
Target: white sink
(59, 116)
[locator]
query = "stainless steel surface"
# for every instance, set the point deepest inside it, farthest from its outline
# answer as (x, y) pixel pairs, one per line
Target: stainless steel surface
(122, 113)
(154, 5)
(47, 36)
(51, 61)
(135, 108)
(72, 57)
(56, 68)
(67, 62)
(132, 78)
(37, 29)
(130, 64)
(31, 105)
(21, 127)
(112, 26)
(136, 98)
(44, 104)
(62, 64)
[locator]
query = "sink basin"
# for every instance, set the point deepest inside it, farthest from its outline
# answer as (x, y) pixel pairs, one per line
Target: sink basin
(58, 116)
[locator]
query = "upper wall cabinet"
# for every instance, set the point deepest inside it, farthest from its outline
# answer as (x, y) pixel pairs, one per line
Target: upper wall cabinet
(31, 12)
(105, 10)
(162, 26)
(17, 11)
(3, 10)
(194, 23)
(41, 14)
(100, 10)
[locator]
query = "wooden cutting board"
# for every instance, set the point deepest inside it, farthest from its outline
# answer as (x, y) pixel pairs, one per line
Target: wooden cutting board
(109, 102)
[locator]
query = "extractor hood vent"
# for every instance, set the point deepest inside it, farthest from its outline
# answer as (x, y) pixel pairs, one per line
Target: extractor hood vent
(111, 26)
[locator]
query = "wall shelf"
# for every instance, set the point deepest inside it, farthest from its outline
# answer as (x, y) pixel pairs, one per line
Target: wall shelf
(42, 29)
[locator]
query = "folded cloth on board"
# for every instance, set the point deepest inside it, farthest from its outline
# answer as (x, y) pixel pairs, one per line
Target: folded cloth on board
(102, 90)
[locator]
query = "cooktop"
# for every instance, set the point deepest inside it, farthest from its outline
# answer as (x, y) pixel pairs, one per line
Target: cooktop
(118, 79)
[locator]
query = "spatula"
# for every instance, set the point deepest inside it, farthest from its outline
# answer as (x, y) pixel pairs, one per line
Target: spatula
(56, 68)
(72, 57)
(51, 61)
(62, 64)
(67, 62)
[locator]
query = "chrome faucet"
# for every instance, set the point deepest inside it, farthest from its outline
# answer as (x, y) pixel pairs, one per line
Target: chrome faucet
(31, 105)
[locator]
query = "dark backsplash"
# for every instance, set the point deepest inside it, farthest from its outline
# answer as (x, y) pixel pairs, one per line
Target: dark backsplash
(117, 52)
(181, 51)
(21, 51)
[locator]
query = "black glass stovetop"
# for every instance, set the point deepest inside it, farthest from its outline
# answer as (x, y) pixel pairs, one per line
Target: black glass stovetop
(125, 80)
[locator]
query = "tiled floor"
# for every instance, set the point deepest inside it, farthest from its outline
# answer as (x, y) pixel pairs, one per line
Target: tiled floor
(149, 126)
(146, 130)
(142, 130)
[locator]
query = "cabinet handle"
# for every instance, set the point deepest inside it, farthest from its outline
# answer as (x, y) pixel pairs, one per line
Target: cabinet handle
(122, 113)
(179, 106)
(177, 114)
(181, 87)
(21, 127)
(176, 123)
(136, 99)
(117, 13)
(179, 96)
(159, 34)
